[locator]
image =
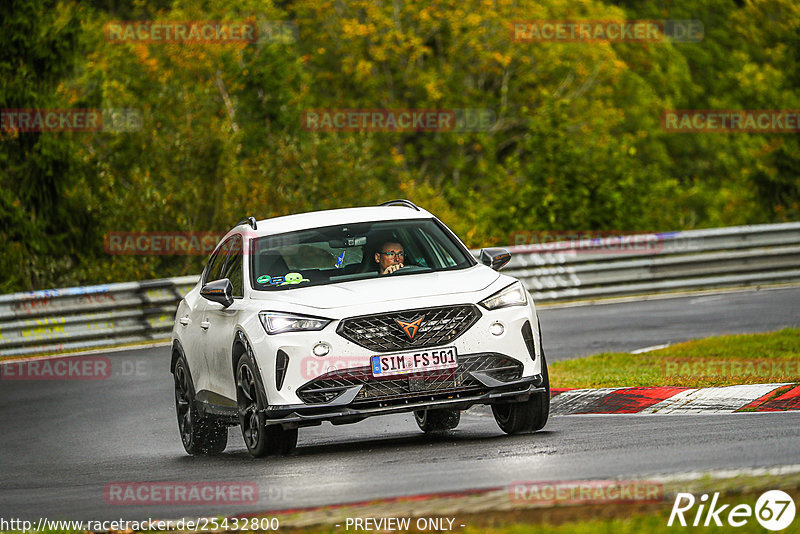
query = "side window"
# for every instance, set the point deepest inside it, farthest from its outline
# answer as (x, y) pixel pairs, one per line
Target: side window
(443, 258)
(415, 246)
(233, 267)
(215, 264)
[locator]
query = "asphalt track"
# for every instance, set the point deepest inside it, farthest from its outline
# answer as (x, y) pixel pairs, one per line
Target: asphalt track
(64, 441)
(569, 332)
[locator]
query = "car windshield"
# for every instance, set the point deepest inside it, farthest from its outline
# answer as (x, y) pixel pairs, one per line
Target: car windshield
(358, 251)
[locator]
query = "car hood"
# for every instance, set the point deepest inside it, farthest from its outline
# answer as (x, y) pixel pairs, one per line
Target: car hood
(384, 289)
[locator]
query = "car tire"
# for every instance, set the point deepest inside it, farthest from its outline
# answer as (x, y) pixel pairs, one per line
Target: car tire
(201, 434)
(261, 439)
(439, 420)
(530, 415)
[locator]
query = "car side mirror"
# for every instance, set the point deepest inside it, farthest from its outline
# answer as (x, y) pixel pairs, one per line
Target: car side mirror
(218, 291)
(495, 258)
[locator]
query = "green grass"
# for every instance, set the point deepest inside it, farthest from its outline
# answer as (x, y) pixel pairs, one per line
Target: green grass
(627, 519)
(762, 358)
(655, 523)
(614, 518)
(651, 523)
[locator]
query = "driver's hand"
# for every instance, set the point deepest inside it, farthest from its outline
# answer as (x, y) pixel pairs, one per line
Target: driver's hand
(392, 268)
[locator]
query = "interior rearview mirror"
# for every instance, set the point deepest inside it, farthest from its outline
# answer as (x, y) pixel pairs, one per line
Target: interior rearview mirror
(345, 242)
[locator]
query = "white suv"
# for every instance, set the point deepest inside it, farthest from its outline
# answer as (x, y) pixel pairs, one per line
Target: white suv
(344, 314)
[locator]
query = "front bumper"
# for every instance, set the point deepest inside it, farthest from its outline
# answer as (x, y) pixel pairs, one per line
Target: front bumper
(340, 411)
(303, 366)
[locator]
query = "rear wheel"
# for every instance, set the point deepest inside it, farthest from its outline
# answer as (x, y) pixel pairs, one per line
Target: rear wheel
(530, 415)
(201, 435)
(437, 420)
(261, 439)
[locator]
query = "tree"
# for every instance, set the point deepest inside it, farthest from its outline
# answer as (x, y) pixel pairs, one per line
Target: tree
(42, 218)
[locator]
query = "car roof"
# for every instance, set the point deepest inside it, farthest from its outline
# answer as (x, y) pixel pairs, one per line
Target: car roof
(317, 219)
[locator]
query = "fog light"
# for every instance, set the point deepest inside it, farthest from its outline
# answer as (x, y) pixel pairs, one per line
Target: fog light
(497, 329)
(321, 349)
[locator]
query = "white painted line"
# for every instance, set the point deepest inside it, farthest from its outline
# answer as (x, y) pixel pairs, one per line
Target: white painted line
(678, 414)
(730, 473)
(724, 399)
(650, 348)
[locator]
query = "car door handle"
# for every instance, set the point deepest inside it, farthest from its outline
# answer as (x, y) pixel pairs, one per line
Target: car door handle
(185, 321)
(204, 325)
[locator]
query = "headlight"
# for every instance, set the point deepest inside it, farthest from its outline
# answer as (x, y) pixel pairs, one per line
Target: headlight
(513, 295)
(276, 323)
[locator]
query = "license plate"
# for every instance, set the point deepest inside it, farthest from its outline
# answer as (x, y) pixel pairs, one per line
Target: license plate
(414, 362)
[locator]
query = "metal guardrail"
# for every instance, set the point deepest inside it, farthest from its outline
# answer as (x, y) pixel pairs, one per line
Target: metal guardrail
(60, 320)
(654, 263)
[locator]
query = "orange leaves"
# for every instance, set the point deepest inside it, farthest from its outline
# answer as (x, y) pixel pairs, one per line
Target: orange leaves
(352, 28)
(502, 59)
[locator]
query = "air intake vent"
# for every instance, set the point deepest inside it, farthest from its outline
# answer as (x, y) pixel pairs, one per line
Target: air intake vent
(527, 335)
(281, 364)
(441, 384)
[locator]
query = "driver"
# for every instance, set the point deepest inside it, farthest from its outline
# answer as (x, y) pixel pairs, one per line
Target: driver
(390, 257)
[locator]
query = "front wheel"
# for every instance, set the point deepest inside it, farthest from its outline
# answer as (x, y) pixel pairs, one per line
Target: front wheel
(528, 416)
(201, 435)
(437, 420)
(261, 439)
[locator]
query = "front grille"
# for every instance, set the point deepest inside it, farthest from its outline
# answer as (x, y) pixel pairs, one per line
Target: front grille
(432, 383)
(437, 326)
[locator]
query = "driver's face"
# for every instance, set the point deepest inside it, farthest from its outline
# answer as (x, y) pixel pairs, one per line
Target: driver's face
(385, 258)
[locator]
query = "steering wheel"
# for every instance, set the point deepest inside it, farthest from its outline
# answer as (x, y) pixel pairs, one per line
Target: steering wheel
(410, 268)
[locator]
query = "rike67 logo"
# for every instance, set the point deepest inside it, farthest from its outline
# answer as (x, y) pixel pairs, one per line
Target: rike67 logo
(774, 510)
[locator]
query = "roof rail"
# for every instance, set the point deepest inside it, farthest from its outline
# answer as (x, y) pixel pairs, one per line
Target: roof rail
(250, 221)
(401, 202)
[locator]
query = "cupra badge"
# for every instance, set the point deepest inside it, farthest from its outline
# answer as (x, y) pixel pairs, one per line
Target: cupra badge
(411, 327)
